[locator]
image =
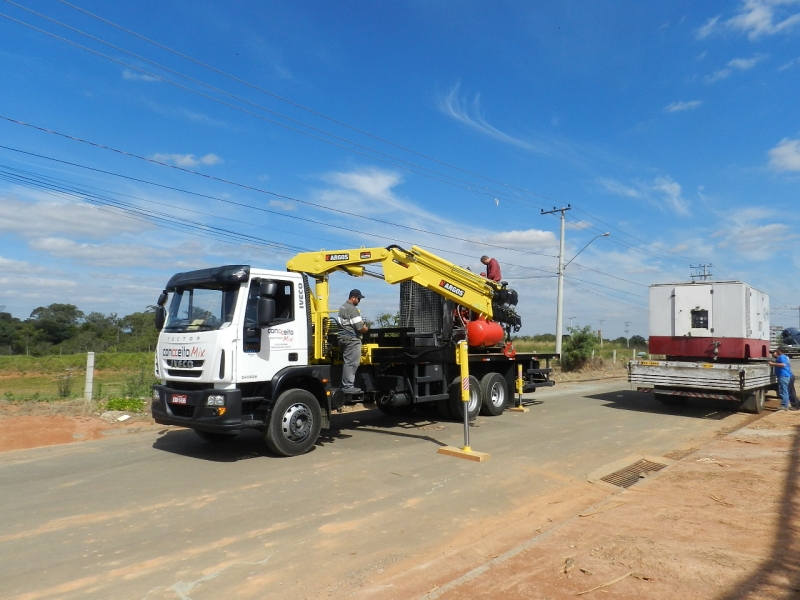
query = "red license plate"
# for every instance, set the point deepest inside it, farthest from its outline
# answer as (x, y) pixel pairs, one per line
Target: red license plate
(179, 399)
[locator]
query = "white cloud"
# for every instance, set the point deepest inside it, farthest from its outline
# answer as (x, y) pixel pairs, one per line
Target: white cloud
(529, 239)
(8, 265)
(367, 192)
(756, 18)
(670, 192)
(662, 192)
(618, 189)
(786, 155)
(757, 242)
(709, 28)
(789, 64)
(737, 64)
(469, 113)
(681, 106)
(106, 255)
(372, 183)
(187, 160)
(38, 219)
(136, 76)
(283, 204)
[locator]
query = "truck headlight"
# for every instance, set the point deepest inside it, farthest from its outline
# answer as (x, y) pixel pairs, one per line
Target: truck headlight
(216, 400)
(156, 396)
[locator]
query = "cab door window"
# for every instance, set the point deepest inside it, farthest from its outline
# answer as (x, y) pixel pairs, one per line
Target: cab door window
(284, 311)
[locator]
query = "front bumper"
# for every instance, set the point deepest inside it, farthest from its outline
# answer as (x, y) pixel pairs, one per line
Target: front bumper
(189, 409)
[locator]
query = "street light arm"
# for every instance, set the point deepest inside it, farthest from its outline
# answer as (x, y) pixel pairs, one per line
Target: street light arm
(585, 247)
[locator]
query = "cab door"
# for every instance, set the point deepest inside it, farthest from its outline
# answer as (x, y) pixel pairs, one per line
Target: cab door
(267, 350)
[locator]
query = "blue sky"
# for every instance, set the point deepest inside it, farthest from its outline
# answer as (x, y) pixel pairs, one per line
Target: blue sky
(450, 125)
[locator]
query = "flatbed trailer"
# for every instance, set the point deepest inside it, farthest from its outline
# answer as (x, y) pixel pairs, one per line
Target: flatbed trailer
(674, 381)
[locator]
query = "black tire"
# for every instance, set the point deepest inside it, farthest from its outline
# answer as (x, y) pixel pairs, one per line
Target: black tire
(494, 391)
(294, 426)
(754, 402)
(457, 406)
(215, 438)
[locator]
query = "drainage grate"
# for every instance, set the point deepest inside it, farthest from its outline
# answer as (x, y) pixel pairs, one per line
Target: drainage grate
(629, 475)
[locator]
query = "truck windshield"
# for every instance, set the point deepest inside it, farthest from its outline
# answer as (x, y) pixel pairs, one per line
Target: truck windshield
(200, 308)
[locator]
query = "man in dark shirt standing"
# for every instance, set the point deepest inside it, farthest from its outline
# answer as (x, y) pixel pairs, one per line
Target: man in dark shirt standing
(351, 326)
(492, 268)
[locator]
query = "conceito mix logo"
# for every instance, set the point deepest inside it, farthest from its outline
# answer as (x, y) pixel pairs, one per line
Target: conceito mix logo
(183, 352)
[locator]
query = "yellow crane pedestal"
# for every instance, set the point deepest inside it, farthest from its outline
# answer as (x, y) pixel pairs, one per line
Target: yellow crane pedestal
(462, 358)
(520, 384)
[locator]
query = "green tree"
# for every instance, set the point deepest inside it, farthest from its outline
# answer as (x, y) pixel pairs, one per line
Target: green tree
(139, 333)
(388, 319)
(57, 322)
(576, 350)
(638, 341)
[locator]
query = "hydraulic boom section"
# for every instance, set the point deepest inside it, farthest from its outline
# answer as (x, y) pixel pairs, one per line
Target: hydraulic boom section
(485, 297)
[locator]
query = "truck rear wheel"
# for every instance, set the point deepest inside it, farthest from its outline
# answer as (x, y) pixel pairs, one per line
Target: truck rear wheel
(294, 425)
(455, 403)
(494, 390)
(215, 438)
(754, 402)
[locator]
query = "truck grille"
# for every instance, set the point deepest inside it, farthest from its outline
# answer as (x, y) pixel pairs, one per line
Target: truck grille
(184, 373)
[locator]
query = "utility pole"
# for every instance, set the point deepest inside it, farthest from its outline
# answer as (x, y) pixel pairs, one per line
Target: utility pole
(560, 296)
(627, 345)
(600, 332)
(571, 319)
(705, 272)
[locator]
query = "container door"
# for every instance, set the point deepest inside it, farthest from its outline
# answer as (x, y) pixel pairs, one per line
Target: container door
(693, 310)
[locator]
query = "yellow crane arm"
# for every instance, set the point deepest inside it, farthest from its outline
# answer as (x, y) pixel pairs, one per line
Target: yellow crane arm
(455, 283)
(418, 265)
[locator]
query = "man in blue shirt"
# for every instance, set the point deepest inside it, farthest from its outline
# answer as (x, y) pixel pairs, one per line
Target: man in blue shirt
(783, 371)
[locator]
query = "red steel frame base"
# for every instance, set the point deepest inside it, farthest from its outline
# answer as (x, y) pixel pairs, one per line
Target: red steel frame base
(704, 347)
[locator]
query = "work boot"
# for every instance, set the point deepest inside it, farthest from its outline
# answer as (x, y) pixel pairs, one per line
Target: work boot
(352, 390)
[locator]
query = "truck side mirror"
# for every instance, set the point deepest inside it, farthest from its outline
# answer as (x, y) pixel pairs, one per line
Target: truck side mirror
(161, 317)
(267, 289)
(266, 311)
(162, 299)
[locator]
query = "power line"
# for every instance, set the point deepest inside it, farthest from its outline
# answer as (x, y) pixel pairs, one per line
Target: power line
(243, 205)
(488, 191)
(267, 192)
(469, 186)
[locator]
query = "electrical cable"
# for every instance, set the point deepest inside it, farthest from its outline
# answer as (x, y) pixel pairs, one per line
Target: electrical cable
(243, 205)
(317, 113)
(267, 192)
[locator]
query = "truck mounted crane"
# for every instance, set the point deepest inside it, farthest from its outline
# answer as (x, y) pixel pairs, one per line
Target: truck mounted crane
(241, 347)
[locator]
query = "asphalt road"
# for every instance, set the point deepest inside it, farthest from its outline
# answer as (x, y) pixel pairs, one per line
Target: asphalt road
(165, 515)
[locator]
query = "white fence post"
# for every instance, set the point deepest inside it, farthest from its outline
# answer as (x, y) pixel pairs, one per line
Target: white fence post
(87, 392)
(614, 357)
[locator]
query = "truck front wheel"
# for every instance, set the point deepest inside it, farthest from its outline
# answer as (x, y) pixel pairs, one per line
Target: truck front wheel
(295, 423)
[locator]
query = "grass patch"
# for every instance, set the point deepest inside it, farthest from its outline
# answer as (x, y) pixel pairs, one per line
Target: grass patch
(126, 404)
(57, 377)
(58, 363)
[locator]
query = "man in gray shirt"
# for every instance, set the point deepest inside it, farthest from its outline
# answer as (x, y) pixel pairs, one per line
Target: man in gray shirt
(351, 326)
